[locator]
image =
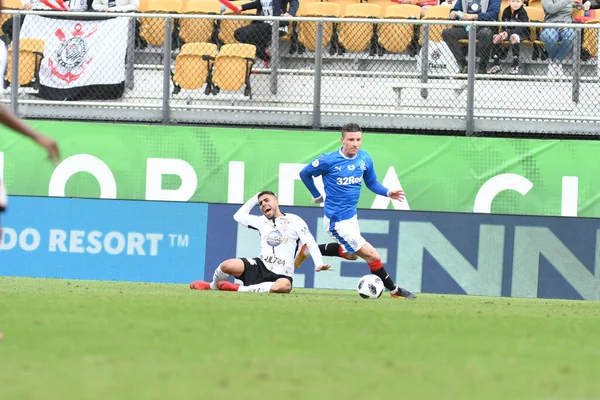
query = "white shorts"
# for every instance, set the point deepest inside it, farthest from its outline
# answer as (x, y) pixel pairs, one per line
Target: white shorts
(346, 233)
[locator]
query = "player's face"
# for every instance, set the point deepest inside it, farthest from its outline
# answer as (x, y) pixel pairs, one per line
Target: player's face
(269, 206)
(351, 142)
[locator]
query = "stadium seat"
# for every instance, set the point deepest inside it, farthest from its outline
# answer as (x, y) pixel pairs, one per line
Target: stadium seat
(153, 29)
(199, 30)
(143, 6)
(232, 68)
(359, 36)
(292, 34)
(31, 52)
(590, 38)
(397, 37)
(307, 31)
(303, 5)
(535, 14)
(10, 5)
(384, 4)
(535, 4)
(227, 27)
(193, 67)
(344, 3)
(435, 31)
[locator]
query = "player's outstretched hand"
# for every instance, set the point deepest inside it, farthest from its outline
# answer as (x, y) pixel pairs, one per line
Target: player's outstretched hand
(50, 146)
(397, 194)
(318, 200)
(325, 267)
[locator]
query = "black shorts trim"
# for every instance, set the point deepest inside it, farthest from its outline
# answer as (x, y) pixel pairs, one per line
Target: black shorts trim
(255, 272)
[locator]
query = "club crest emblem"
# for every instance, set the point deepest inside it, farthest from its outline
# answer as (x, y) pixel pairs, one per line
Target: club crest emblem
(71, 58)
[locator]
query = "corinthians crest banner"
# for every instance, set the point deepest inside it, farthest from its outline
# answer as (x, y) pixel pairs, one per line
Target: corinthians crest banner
(83, 59)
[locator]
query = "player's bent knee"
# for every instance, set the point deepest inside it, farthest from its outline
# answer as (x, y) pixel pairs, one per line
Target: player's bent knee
(282, 286)
(233, 266)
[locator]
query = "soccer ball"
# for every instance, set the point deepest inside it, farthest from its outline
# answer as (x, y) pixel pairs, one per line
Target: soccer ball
(370, 287)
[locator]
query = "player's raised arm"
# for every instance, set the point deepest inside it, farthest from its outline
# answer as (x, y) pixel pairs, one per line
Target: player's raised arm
(371, 181)
(376, 187)
(243, 215)
(315, 168)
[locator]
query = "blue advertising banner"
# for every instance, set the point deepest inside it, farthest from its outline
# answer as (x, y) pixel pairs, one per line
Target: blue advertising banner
(98, 239)
(432, 252)
(427, 252)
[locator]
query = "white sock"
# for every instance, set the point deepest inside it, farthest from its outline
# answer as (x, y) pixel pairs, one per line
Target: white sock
(264, 287)
(218, 276)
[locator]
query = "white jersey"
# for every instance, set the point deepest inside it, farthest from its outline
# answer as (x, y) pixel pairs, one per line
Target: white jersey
(280, 238)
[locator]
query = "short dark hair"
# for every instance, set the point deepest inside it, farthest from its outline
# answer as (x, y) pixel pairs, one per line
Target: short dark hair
(266, 192)
(351, 128)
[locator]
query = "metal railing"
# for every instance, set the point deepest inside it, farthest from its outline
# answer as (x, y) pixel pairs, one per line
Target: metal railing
(321, 73)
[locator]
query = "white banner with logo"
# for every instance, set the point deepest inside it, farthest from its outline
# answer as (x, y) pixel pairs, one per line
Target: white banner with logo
(440, 59)
(79, 53)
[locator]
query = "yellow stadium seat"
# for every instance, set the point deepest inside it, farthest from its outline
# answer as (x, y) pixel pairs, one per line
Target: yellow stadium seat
(535, 14)
(292, 34)
(590, 38)
(536, 4)
(436, 13)
(199, 30)
(233, 66)
(397, 37)
(193, 67)
(153, 29)
(344, 3)
(227, 27)
(10, 5)
(31, 52)
(143, 6)
(384, 4)
(307, 31)
(359, 36)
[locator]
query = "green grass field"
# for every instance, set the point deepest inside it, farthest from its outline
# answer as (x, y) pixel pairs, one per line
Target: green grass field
(65, 339)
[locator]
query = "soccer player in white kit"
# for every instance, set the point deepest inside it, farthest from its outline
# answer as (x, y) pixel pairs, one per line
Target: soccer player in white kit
(343, 172)
(8, 119)
(281, 237)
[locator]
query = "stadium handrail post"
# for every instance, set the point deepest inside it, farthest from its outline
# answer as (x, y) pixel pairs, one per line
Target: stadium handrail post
(318, 71)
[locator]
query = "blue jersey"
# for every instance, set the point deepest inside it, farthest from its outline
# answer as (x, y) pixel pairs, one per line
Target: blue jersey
(342, 179)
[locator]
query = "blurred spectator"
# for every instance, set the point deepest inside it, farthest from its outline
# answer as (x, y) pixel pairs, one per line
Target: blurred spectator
(558, 11)
(258, 33)
(122, 6)
(514, 13)
(7, 26)
(116, 5)
(78, 5)
(482, 10)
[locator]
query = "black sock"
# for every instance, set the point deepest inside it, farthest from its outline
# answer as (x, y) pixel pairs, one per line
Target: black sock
(385, 277)
(330, 249)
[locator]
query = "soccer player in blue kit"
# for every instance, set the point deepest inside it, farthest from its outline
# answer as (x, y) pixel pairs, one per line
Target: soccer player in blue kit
(343, 172)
